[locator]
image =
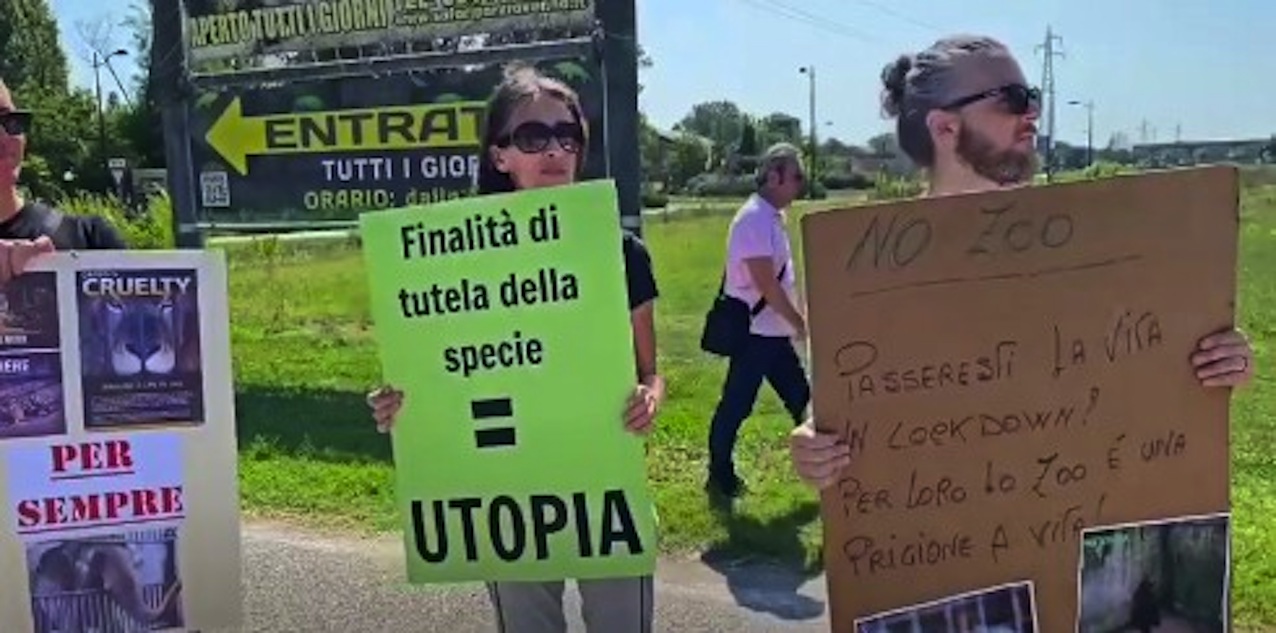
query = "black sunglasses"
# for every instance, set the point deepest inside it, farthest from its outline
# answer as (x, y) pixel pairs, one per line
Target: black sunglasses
(15, 122)
(533, 137)
(1018, 98)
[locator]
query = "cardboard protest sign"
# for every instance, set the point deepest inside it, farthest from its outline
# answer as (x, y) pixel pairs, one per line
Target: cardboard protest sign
(1030, 445)
(120, 483)
(504, 320)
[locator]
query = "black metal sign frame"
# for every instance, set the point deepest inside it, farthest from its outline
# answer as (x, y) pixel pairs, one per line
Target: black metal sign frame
(612, 45)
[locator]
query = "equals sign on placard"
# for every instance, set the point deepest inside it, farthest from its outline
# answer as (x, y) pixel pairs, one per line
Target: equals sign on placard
(493, 437)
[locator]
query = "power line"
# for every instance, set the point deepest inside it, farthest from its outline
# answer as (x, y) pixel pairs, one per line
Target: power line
(900, 15)
(810, 19)
(820, 18)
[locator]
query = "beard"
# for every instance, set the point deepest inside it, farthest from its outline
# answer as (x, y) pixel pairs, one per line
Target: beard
(1004, 167)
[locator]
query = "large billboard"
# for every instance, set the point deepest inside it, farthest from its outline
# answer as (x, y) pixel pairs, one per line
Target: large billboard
(329, 149)
(225, 30)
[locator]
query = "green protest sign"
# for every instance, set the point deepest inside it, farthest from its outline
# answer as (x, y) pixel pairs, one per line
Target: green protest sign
(504, 319)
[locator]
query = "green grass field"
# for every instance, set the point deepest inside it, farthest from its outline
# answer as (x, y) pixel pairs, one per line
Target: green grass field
(304, 356)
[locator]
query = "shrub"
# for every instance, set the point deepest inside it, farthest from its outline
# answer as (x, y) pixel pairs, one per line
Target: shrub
(894, 188)
(819, 191)
(654, 200)
(1096, 171)
(1107, 170)
(151, 228)
(720, 186)
(736, 187)
(1256, 176)
(854, 180)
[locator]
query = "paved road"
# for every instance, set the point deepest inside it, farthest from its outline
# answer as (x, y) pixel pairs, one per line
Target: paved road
(298, 581)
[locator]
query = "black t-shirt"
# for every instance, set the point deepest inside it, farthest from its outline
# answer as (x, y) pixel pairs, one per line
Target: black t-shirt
(68, 232)
(638, 274)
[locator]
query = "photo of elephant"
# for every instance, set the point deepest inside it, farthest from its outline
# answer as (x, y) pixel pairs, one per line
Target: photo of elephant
(106, 584)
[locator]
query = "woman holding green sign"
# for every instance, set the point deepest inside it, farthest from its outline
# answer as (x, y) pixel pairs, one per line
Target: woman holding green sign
(535, 136)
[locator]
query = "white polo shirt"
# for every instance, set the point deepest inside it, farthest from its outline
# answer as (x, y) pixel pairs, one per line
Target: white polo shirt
(758, 230)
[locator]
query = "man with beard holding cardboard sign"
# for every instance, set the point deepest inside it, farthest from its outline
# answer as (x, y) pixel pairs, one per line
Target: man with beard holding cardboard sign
(966, 115)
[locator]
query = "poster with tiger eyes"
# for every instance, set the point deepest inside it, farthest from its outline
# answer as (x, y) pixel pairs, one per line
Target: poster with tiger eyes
(139, 347)
(119, 483)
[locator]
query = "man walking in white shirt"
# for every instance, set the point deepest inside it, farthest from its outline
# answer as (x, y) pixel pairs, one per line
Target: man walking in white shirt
(760, 267)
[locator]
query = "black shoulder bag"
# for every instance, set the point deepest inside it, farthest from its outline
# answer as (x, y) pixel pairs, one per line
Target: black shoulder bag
(726, 325)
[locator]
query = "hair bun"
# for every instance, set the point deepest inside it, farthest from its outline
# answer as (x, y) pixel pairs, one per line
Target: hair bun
(894, 81)
(517, 69)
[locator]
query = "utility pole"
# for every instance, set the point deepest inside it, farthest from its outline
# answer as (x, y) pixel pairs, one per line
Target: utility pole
(811, 177)
(99, 61)
(1089, 129)
(1047, 85)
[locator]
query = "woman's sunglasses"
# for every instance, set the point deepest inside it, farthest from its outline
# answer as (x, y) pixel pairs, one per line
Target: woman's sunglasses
(533, 137)
(1017, 98)
(15, 122)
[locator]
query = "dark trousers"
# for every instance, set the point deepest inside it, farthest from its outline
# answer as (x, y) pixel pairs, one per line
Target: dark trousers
(772, 358)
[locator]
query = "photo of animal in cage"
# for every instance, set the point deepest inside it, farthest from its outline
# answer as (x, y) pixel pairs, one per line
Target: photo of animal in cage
(123, 583)
(29, 312)
(1004, 609)
(31, 401)
(1157, 577)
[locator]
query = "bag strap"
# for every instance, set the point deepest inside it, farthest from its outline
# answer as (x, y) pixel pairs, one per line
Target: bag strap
(761, 304)
(54, 224)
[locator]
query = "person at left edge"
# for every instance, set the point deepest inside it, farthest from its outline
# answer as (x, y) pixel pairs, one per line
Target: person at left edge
(29, 229)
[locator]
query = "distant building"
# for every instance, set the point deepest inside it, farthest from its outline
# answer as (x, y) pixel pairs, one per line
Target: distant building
(870, 163)
(1245, 151)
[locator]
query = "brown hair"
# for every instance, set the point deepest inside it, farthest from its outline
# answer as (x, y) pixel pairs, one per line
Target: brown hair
(521, 83)
(913, 85)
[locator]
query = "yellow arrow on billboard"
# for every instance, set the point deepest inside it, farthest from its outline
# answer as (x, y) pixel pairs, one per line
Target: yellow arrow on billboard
(430, 126)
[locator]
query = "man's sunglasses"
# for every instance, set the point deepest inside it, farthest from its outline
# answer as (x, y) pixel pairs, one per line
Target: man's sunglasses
(15, 122)
(533, 137)
(1018, 98)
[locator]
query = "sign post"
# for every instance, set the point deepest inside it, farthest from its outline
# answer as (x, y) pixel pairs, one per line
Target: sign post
(117, 165)
(1030, 446)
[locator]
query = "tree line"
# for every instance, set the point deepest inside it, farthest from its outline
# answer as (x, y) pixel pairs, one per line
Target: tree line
(711, 151)
(68, 147)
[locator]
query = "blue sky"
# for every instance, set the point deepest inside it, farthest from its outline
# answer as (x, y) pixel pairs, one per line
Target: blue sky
(1204, 66)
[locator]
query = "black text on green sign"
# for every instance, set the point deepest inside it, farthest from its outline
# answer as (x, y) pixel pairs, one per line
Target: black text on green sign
(520, 529)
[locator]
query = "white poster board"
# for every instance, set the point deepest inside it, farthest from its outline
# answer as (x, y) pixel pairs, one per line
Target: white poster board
(117, 426)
